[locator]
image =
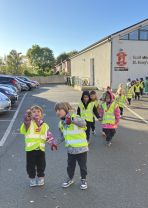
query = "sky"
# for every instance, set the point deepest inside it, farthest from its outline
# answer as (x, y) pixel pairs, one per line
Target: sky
(64, 25)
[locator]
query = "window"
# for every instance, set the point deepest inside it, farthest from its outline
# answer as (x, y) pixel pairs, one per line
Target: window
(143, 35)
(125, 37)
(140, 34)
(144, 27)
(133, 35)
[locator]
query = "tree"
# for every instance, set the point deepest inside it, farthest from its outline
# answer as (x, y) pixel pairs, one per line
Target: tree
(64, 56)
(41, 58)
(13, 62)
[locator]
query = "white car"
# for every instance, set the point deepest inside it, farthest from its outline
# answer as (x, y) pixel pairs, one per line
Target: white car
(5, 103)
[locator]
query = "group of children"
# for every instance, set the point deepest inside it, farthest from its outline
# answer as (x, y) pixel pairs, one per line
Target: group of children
(137, 86)
(75, 131)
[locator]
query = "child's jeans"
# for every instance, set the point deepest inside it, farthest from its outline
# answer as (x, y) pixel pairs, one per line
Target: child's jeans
(35, 163)
(82, 160)
(109, 134)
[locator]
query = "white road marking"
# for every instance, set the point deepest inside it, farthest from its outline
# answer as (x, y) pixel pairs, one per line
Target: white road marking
(136, 114)
(8, 130)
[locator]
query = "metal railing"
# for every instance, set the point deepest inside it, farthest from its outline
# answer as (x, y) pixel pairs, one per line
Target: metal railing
(74, 80)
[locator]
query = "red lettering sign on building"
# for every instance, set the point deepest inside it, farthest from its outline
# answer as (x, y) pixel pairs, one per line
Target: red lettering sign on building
(121, 58)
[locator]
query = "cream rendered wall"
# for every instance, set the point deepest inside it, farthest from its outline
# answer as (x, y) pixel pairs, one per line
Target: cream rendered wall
(80, 65)
(136, 58)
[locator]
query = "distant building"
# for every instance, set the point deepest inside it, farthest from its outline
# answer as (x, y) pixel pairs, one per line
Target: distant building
(64, 66)
(115, 58)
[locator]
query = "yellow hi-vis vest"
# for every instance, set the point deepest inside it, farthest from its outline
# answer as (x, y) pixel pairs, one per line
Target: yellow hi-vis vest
(74, 136)
(130, 92)
(120, 100)
(108, 113)
(137, 88)
(34, 139)
(96, 103)
(87, 113)
(142, 84)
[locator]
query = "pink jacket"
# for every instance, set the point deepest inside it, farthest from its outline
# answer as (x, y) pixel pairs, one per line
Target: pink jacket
(117, 118)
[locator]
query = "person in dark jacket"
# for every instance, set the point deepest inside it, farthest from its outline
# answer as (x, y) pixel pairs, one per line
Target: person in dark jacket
(87, 110)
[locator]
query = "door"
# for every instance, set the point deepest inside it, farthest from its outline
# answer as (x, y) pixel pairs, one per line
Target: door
(92, 71)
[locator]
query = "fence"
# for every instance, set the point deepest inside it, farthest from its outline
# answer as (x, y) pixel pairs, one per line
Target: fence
(54, 79)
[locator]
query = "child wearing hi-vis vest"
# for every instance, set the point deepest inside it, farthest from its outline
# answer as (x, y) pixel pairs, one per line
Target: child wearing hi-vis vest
(130, 94)
(87, 110)
(95, 101)
(36, 134)
(137, 90)
(72, 129)
(110, 116)
(120, 99)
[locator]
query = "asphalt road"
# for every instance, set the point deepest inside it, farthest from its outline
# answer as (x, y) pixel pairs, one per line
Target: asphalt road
(117, 176)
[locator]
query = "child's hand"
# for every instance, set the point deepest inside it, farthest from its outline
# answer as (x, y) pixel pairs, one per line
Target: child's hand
(68, 120)
(28, 115)
(54, 147)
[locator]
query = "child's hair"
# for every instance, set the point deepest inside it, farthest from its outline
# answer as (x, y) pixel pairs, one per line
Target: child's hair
(121, 89)
(37, 107)
(108, 87)
(107, 94)
(93, 92)
(63, 105)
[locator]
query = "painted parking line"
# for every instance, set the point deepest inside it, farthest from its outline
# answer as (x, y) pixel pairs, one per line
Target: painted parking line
(8, 130)
(136, 114)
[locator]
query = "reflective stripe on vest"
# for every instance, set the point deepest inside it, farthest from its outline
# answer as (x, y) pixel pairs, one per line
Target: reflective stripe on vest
(74, 136)
(33, 139)
(108, 113)
(87, 113)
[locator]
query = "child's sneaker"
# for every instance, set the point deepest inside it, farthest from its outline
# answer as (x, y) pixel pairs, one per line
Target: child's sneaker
(41, 181)
(108, 144)
(103, 134)
(83, 185)
(67, 183)
(33, 182)
(94, 132)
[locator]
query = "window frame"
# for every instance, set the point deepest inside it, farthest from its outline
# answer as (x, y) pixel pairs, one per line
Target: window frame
(139, 30)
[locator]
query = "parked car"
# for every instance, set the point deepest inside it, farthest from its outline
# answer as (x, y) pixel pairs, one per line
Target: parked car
(24, 86)
(9, 93)
(11, 87)
(6, 79)
(5, 103)
(29, 84)
(30, 80)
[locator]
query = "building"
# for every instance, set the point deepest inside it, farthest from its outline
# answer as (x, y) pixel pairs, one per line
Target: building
(115, 58)
(64, 67)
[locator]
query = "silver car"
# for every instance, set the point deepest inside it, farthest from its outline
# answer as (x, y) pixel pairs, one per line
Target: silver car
(5, 103)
